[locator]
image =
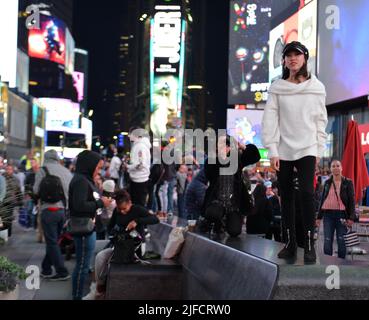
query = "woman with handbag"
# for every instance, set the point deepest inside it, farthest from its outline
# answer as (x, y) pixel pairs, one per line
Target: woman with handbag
(84, 202)
(337, 209)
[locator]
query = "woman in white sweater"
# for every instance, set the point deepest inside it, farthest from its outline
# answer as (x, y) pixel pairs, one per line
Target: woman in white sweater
(294, 124)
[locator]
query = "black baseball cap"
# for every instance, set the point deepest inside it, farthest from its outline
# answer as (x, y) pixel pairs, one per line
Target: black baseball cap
(295, 46)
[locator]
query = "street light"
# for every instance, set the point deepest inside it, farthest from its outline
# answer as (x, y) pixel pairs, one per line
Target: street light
(90, 113)
(195, 87)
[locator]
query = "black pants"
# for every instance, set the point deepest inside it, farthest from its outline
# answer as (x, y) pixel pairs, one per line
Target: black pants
(139, 192)
(233, 219)
(305, 173)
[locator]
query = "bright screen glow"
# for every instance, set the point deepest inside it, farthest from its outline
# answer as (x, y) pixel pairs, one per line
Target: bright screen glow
(79, 84)
(8, 41)
(61, 114)
(343, 49)
(49, 41)
(248, 79)
(245, 126)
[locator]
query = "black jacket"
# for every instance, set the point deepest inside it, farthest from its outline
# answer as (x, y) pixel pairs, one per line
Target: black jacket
(241, 197)
(81, 200)
(259, 221)
(137, 213)
(347, 195)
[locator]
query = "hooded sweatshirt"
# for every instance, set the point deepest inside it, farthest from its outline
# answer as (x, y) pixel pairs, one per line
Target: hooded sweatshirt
(139, 169)
(295, 120)
(54, 167)
(82, 202)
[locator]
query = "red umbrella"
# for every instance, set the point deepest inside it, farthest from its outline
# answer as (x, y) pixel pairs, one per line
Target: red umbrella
(353, 162)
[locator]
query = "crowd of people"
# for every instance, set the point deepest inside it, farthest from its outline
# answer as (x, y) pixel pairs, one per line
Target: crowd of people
(284, 203)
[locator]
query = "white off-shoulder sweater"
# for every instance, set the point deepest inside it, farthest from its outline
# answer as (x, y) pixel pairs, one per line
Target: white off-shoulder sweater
(295, 120)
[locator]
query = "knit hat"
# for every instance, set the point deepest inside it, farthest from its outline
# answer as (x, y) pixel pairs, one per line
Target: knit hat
(109, 186)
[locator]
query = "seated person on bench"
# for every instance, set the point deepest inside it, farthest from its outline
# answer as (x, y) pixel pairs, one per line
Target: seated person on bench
(126, 217)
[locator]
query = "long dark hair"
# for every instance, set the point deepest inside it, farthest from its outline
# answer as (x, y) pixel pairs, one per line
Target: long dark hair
(303, 72)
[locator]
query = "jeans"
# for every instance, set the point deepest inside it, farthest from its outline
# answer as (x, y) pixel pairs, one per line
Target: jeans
(181, 206)
(85, 247)
(52, 224)
(171, 185)
(332, 222)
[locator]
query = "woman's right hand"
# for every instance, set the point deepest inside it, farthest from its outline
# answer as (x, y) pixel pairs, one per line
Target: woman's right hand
(275, 162)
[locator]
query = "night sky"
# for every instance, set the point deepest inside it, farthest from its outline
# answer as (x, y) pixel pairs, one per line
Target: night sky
(95, 29)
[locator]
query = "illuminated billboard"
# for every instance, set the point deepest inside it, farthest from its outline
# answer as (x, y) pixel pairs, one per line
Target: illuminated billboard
(167, 53)
(22, 72)
(69, 52)
(49, 41)
(245, 126)
(79, 84)
(343, 48)
(301, 26)
(8, 41)
(61, 114)
(248, 76)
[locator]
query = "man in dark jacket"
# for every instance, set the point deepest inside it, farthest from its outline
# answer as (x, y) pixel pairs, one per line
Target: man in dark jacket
(227, 196)
(84, 201)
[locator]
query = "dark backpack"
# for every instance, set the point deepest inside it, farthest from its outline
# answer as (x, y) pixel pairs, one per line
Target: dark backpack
(51, 188)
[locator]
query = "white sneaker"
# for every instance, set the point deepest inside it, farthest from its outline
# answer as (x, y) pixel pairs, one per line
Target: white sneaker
(92, 294)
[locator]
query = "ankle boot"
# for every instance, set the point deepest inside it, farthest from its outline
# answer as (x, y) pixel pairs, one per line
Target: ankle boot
(290, 250)
(310, 254)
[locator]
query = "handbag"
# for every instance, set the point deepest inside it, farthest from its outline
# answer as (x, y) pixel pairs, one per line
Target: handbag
(80, 226)
(124, 249)
(351, 238)
(175, 243)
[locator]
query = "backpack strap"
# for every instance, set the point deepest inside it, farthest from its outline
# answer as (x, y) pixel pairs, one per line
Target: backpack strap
(46, 170)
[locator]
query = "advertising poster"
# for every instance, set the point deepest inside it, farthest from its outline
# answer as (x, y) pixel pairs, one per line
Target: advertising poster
(69, 53)
(49, 41)
(167, 66)
(248, 80)
(79, 84)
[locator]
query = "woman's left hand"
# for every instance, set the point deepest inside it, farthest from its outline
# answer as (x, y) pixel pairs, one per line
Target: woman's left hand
(349, 223)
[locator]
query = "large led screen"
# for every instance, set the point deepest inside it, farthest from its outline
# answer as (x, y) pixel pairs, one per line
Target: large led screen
(249, 51)
(245, 126)
(343, 48)
(48, 42)
(167, 57)
(8, 41)
(61, 114)
(301, 26)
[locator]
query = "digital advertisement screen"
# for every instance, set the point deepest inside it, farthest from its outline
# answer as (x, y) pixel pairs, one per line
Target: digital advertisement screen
(49, 41)
(79, 84)
(167, 56)
(301, 26)
(248, 80)
(22, 72)
(8, 41)
(61, 114)
(343, 48)
(69, 53)
(245, 126)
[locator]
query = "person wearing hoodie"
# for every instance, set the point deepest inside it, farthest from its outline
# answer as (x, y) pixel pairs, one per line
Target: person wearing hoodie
(139, 167)
(53, 217)
(294, 130)
(84, 201)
